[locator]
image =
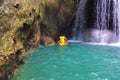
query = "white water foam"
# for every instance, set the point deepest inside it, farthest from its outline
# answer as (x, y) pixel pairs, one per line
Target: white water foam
(74, 41)
(111, 44)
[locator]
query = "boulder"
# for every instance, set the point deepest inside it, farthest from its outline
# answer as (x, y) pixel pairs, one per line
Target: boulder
(45, 40)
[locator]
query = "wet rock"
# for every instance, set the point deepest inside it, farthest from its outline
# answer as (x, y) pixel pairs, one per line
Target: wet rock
(47, 40)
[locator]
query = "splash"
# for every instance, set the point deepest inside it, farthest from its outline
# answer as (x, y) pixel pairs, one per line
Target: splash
(105, 18)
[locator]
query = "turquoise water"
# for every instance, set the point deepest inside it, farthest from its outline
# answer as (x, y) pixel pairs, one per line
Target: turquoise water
(76, 61)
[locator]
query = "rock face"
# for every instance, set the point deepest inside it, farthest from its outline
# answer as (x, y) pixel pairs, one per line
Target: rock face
(25, 23)
(104, 36)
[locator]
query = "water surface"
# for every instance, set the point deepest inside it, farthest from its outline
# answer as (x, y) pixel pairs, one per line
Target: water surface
(76, 61)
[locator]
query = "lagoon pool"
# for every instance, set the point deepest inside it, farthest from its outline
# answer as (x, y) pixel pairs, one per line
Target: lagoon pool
(75, 61)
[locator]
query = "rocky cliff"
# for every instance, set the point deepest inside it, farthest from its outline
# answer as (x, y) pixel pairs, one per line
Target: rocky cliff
(26, 24)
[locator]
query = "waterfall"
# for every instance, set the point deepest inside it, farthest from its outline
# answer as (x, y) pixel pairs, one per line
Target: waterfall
(101, 12)
(80, 20)
(104, 21)
(119, 19)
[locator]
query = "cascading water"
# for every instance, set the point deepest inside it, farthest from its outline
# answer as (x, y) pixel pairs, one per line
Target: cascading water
(119, 19)
(105, 21)
(80, 20)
